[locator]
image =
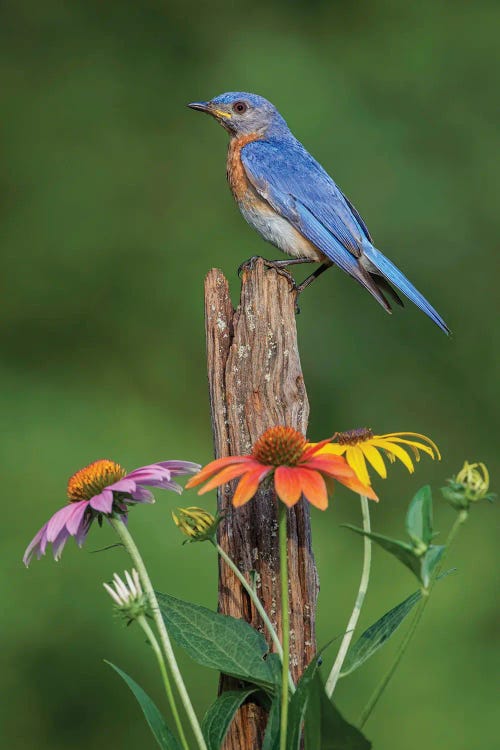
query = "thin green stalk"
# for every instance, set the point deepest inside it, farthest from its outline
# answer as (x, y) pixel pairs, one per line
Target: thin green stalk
(134, 553)
(459, 521)
(285, 622)
(258, 605)
(166, 680)
(353, 620)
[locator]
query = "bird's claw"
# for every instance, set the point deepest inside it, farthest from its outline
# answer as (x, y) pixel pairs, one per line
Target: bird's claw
(248, 265)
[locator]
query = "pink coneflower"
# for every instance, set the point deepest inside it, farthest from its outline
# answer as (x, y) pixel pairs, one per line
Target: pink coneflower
(100, 489)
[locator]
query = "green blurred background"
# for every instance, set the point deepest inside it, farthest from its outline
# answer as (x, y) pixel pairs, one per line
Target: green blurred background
(114, 205)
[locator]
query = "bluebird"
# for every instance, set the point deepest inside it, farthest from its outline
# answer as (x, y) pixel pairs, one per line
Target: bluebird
(287, 196)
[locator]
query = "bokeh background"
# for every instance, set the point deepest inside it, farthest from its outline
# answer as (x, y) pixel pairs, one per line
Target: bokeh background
(113, 207)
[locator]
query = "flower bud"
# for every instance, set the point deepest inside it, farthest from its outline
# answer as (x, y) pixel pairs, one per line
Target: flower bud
(470, 485)
(127, 595)
(196, 523)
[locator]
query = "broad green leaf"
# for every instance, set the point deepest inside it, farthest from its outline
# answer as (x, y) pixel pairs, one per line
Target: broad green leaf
(298, 704)
(334, 733)
(220, 715)
(419, 517)
(378, 634)
(272, 735)
(157, 724)
(218, 641)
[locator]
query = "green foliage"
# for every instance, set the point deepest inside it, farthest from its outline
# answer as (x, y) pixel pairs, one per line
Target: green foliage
(299, 704)
(220, 714)
(217, 641)
(421, 557)
(325, 727)
(378, 634)
(155, 720)
(272, 735)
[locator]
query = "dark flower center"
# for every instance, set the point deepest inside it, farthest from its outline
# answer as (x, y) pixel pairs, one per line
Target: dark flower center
(279, 446)
(352, 437)
(92, 479)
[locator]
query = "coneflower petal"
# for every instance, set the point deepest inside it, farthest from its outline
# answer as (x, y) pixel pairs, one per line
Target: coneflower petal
(287, 484)
(248, 485)
(314, 488)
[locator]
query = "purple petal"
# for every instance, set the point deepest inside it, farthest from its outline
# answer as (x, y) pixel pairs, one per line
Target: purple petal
(123, 485)
(178, 468)
(102, 502)
(82, 531)
(171, 486)
(151, 473)
(74, 521)
(143, 496)
(35, 546)
(59, 542)
(58, 522)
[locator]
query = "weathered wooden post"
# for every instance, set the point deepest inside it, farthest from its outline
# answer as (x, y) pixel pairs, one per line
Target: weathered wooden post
(256, 382)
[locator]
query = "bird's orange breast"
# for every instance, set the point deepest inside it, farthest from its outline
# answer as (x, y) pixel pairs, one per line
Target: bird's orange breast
(236, 175)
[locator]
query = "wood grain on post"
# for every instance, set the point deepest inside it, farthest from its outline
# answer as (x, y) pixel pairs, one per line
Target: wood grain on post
(256, 382)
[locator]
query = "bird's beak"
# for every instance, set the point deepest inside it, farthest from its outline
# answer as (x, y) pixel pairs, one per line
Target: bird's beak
(200, 106)
(209, 109)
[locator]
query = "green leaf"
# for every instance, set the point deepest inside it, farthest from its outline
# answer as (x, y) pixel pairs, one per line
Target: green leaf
(272, 735)
(419, 517)
(220, 715)
(218, 641)
(420, 563)
(378, 634)
(298, 704)
(157, 724)
(334, 733)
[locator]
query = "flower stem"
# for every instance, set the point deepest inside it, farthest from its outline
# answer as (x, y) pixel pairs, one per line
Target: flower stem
(166, 680)
(285, 621)
(258, 605)
(353, 620)
(365, 714)
(134, 553)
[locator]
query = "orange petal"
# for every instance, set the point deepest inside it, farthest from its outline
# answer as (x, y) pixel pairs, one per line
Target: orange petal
(214, 466)
(313, 487)
(287, 484)
(355, 485)
(225, 475)
(332, 465)
(249, 484)
(313, 448)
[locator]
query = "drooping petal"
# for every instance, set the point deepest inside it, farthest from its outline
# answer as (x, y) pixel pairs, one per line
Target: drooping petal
(180, 468)
(102, 502)
(314, 487)
(374, 459)
(356, 460)
(35, 546)
(226, 475)
(59, 542)
(402, 437)
(75, 519)
(58, 522)
(123, 485)
(287, 484)
(395, 450)
(355, 485)
(249, 484)
(335, 449)
(82, 531)
(149, 475)
(214, 466)
(141, 495)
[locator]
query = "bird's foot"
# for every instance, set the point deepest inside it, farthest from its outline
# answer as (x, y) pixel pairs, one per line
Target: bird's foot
(278, 265)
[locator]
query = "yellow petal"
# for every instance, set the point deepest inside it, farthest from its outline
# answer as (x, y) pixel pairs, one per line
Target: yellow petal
(402, 437)
(374, 458)
(395, 450)
(356, 461)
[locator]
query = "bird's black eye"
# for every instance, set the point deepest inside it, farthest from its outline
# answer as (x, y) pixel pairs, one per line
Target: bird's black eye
(240, 107)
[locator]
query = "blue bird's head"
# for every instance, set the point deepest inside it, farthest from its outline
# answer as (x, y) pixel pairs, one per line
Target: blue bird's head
(241, 113)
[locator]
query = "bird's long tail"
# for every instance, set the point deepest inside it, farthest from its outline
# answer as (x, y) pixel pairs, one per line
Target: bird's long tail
(394, 275)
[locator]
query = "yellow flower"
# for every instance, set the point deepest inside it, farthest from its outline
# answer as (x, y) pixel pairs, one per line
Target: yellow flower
(360, 447)
(475, 480)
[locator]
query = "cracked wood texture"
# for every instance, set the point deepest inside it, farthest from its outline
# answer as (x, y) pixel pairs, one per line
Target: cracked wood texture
(256, 382)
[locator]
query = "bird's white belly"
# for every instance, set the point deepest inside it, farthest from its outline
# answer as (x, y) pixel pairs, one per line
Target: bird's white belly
(277, 230)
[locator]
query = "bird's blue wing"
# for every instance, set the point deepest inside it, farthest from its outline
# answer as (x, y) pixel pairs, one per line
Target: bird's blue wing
(287, 175)
(300, 190)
